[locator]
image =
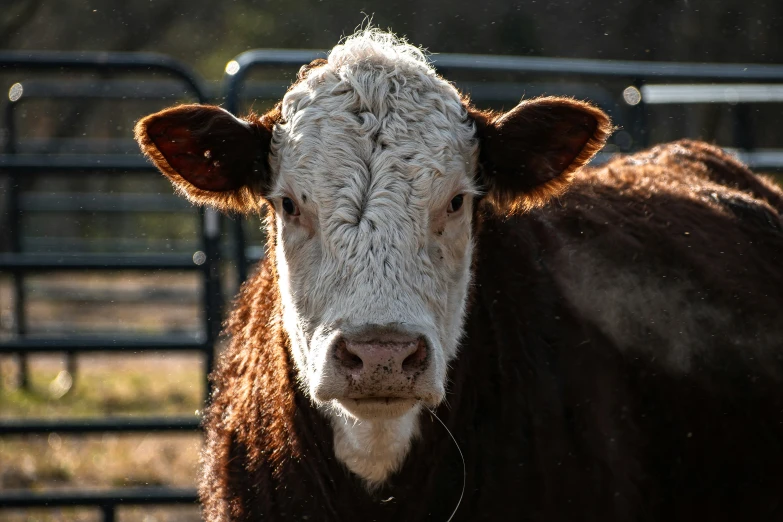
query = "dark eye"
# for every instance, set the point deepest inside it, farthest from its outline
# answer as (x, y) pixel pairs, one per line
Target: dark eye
(455, 204)
(290, 207)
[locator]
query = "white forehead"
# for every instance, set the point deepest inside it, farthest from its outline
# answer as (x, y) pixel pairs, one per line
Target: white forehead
(377, 118)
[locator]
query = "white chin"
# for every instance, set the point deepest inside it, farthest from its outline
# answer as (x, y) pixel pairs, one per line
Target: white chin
(377, 407)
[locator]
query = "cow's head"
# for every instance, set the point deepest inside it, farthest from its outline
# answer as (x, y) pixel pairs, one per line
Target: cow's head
(374, 165)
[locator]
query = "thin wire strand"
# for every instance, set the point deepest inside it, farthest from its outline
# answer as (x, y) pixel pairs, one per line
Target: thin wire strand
(464, 466)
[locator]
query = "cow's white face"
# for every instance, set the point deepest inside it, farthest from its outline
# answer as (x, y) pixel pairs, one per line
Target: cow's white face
(374, 163)
(371, 167)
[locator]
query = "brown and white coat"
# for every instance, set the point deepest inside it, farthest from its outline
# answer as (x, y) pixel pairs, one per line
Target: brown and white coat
(604, 344)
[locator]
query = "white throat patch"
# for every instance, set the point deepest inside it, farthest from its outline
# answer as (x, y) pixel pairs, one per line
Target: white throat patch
(374, 449)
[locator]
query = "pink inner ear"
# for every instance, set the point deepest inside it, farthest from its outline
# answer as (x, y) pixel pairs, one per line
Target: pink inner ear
(190, 155)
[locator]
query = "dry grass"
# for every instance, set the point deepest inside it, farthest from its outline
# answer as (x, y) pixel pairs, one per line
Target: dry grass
(105, 385)
(98, 461)
(120, 303)
(150, 384)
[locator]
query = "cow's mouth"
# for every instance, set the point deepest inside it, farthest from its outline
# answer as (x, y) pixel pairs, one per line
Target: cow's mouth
(378, 407)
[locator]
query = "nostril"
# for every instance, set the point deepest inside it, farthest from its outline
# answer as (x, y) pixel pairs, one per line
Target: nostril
(348, 359)
(417, 359)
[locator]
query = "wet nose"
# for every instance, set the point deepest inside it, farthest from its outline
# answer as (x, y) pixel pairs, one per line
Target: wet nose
(382, 357)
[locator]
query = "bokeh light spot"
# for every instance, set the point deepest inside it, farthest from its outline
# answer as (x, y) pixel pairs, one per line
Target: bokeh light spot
(232, 67)
(632, 95)
(199, 257)
(15, 92)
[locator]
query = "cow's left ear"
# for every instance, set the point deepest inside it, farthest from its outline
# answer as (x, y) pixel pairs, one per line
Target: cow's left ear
(530, 153)
(210, 156)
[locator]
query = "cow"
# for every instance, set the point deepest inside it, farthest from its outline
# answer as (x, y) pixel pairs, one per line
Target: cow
(457, 319)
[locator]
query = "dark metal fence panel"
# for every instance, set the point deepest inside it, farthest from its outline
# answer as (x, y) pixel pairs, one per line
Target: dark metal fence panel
(13, 165)
(18, 166)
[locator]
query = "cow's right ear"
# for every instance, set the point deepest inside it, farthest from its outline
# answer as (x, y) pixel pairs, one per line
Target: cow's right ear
(530, 153)
(209, 155)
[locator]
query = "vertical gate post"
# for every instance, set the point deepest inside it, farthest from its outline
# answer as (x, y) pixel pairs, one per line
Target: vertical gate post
(109, 513)
(15, 236)
(213, 313)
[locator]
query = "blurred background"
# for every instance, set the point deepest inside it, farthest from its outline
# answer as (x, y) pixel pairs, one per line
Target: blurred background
(112, 289)
(209, 34)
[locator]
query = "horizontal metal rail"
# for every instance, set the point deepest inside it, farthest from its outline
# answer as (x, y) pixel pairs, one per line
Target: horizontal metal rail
(756, 159)
(38, 262)
(148, 294)
(97, 89)
(616, 68)
(535, 64)
(118, 246)
(132, 89)
(75, 344)
(102, 202)
(85, 61)
(513, 91)
(99, 425)
(64, 163)
(722, 93)
(76, 497)
(51, 146)
(760, 159)
(237, 68)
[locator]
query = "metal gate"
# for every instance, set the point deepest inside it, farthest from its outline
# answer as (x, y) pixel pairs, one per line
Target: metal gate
(18, 167)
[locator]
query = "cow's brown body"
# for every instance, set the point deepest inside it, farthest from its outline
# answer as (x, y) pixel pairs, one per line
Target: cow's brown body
(622, 360)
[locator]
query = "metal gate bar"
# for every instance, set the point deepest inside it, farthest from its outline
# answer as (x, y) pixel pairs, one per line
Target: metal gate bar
(101, 425)
(15, 165)
(106, 501)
